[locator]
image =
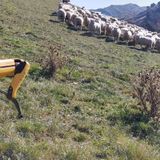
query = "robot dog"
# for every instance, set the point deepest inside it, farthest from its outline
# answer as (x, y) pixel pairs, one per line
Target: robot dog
(17, 69)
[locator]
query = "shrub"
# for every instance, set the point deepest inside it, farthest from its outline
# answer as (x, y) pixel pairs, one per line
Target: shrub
(147, 90)
(53, 61)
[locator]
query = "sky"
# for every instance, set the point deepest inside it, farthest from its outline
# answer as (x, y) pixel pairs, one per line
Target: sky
(94, 4)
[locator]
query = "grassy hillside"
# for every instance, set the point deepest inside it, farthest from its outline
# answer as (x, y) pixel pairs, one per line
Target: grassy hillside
(87, 111)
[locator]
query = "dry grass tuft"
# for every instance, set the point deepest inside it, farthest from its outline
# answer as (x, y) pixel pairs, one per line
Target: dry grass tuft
(54, 60)
(147, 90)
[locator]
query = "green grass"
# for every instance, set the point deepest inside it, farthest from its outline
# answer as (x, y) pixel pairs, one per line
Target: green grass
(86, 111)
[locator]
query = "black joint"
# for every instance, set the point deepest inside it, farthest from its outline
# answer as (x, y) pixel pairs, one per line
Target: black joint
(20, 116)
(19, 65)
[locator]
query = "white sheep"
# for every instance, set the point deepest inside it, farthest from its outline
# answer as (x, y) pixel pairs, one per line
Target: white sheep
(103, 26)
(69, 16)
(109, 28)
(65, 6)
(78, 23)
(157, 44)
(126, 34)
(87, 21)
(148, 42)
(94, 27)
(73, 17)
(136, 36)
(82, 12)
(116, 33)
(61, 13)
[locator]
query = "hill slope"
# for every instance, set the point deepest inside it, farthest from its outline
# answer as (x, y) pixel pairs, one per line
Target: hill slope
(122, 11)
(68, 117)
(148, 19)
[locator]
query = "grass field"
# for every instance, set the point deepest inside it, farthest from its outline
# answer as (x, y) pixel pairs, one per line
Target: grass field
(86, 112)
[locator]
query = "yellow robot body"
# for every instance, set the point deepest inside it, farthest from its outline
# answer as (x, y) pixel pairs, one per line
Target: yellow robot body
(7, 68)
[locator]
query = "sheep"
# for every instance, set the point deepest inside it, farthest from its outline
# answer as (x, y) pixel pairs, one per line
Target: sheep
(126, 35)
(78, 23)
(73, 17)
(116, 33)
(158, 34)
(113, 19)
(87, 21)
(82, 12)
(88, 13)
(98, 29)
(136, 36)
(61, 15)
(157, 44)
(103, 26)
(68, 17)
(91, 26)
(94, 16)
(148, 42)
(133, 30)
(65, 6)
(149, 35)
(108, 29)
(104, 18)
(94, 27)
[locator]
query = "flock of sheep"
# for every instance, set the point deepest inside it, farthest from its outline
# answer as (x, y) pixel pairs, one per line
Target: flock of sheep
(98, 24)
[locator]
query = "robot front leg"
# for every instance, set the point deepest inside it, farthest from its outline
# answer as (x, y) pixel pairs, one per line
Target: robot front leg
(21, 70)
